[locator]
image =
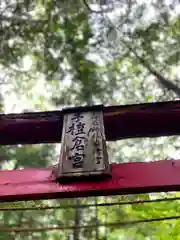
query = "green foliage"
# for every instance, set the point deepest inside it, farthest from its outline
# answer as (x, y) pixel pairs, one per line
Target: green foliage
(62, 53)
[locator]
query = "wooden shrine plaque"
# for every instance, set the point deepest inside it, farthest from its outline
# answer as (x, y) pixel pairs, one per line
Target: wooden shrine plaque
(83, 144)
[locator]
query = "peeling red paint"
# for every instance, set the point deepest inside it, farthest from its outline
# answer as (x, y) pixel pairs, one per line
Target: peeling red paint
(140, 120)
(143, 120)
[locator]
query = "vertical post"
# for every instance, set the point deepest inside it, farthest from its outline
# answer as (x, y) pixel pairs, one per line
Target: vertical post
(83, 144)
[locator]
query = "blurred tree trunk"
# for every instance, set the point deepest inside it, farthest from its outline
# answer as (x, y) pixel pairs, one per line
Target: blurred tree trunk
(77, 220)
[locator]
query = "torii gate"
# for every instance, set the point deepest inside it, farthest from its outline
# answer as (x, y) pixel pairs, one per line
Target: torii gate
(130, 121)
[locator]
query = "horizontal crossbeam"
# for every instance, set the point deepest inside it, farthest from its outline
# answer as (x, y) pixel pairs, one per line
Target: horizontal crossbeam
(127, 178)
(129, 121)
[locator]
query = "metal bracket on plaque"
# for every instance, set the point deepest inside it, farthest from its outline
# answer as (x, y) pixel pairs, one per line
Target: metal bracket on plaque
(83, 144)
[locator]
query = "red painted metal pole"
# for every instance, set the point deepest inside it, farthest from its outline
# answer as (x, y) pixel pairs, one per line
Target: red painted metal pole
(127, 178)
(141, 120)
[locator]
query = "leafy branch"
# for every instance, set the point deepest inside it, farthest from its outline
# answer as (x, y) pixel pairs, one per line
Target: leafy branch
(161, 79)
(90, 9)
(17, 19)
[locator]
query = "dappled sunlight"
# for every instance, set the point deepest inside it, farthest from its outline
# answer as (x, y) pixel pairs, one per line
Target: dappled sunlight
(145, 149)
(56, 54)
(29, 156)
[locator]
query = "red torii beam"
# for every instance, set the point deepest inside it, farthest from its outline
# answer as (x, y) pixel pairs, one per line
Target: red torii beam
(130, 121)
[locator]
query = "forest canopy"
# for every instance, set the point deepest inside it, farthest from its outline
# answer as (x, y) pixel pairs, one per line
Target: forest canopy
(55, 54)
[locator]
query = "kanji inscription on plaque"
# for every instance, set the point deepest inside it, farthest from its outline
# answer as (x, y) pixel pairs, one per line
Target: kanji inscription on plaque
(83, 144)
